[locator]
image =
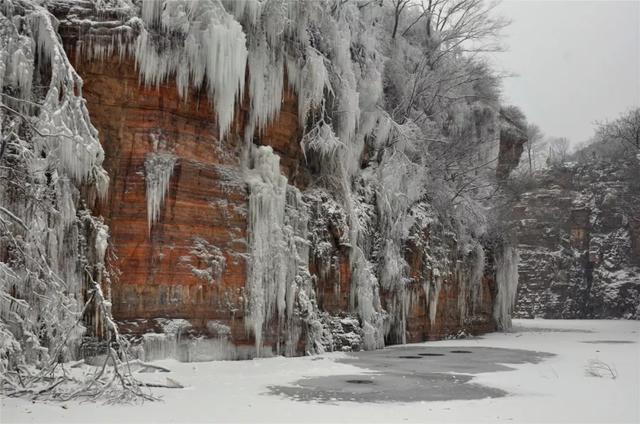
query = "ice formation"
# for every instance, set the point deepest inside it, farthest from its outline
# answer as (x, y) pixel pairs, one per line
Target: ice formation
(266, 84)
(507, 285)
(434, 296)
(475, 279)
(175, 342)
(158, 170)
(211, 51)
(267, 276)
(278, 276)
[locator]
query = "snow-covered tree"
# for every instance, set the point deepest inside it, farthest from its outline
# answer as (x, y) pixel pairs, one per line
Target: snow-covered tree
(52, 250)
(625, 129)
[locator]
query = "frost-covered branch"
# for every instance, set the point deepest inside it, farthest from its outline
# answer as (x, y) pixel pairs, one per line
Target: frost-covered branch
(51, 249)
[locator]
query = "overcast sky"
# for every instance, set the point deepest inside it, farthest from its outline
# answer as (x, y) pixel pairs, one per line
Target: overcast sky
(576, 62)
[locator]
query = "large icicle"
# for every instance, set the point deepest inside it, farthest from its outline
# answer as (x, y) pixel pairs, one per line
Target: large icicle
(266, 84)
(64, 127)
(158, 170)
(507, 285)
(475, 279)
(309, 80)
(278, 283)
(267, 270)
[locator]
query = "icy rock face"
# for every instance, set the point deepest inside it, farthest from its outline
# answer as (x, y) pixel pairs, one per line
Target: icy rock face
(578, 243)
(299, 214)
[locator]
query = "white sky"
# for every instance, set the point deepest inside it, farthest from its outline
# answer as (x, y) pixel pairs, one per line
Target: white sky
(576, 62)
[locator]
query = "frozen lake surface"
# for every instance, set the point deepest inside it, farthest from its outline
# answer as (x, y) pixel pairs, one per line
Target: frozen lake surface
(539, 372)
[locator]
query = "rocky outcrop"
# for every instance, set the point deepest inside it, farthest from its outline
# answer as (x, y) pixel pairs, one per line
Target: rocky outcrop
(512, 139)
(577, 234)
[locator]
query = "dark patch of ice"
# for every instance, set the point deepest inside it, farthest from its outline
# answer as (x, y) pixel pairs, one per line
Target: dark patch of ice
(399, 379)
(359, 381)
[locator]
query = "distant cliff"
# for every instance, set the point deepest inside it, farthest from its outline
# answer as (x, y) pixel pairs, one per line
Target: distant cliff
(579, 241)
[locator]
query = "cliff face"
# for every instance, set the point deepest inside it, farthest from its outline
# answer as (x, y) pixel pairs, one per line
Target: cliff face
(244, 245)
(156, 269)
(578, 242)
(164, 270)
(205, 203)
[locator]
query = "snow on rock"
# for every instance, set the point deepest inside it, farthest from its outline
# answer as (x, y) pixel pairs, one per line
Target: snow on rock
(578, 242)
(208, 255)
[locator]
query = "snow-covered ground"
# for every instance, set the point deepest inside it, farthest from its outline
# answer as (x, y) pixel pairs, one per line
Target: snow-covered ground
(557, 389)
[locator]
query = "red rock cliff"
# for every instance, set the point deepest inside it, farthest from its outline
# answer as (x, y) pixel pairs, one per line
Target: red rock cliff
(163, 270)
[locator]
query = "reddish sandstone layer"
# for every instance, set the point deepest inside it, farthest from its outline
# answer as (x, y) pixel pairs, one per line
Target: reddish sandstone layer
(448, 321)
(207, 197)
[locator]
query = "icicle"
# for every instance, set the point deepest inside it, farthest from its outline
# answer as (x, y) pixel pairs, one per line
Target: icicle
(309, 81)
(434, 296)
(95, 45)
(507, 285)
(477, 273)
(278, 280)
(213, 52)
(17, 65)
(244, 10)
(158, 170)
(53, 246)
(365, 300)
(266, 84)
(266, 285)
(151, 11)
(102, 239)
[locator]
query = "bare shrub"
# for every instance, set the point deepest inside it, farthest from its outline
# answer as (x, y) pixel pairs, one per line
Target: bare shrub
(598, 368)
